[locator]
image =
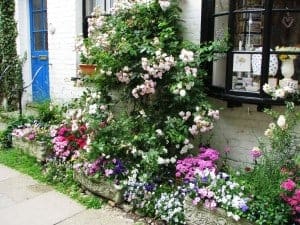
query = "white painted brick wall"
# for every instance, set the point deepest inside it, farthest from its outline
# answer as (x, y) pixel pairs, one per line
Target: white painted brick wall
(23, 45)
(65, 18)
(191, 16)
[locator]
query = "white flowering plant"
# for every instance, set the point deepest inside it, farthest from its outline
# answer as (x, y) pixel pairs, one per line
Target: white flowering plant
(169, 206)
(282, 93)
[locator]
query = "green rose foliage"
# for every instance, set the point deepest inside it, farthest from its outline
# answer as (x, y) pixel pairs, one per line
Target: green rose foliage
(154, 83)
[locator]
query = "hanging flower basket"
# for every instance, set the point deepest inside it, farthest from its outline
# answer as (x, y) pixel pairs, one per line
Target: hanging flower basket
(102, 188)
(87, 69)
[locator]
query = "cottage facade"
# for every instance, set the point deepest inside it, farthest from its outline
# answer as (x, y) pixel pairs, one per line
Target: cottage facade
(48, 29)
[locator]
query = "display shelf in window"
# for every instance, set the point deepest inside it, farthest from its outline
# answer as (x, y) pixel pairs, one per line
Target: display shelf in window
(256, 28)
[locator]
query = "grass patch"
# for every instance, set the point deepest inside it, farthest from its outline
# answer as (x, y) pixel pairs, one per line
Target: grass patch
(65, 183)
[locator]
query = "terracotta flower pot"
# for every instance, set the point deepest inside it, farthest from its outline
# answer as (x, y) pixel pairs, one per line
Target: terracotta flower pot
(87, 69)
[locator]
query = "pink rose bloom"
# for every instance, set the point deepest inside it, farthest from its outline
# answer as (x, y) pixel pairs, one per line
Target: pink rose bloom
(31, 137)
(255, 152)
(288, 185)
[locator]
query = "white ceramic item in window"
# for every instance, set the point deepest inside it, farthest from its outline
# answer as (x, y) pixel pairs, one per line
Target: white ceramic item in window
(256, 63)
(287, 71)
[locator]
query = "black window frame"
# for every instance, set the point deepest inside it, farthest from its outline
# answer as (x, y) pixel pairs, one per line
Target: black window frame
(85, 17)
(234, 97)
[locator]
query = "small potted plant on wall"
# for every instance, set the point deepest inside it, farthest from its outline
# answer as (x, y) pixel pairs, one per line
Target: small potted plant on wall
(85, 47)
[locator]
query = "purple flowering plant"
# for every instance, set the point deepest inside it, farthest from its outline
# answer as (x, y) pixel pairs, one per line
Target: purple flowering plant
(188, 167)
(103, 168)
(210, 187)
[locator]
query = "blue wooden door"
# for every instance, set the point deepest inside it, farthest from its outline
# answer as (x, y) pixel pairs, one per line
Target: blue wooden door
(39, 50)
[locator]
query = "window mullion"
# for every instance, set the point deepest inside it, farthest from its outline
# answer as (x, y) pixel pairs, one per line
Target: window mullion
(266, 44)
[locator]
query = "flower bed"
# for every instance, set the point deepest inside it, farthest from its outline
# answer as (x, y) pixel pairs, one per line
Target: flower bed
(103, 188)
(200, 215)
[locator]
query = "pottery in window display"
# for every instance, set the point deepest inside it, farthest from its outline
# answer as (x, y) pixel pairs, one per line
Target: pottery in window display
(256, 63)
(287, 71)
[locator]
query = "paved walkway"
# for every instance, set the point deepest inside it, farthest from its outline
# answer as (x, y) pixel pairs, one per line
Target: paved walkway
(24, 201)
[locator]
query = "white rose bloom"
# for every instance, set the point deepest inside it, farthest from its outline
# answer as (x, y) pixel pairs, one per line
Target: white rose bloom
(272, 125)
(186, 141)
(279, 93)
(165, 150)
(74, 126)
(173, 160)
(93, 109)
(160, 160)
(268, 89)
(159, 132)
(164, 5)
(268, 132)
(181, 113)
(182, 93)
(281, 122)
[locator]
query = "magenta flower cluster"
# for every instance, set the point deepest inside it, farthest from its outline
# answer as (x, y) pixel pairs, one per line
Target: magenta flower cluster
(292, 198)
(187, 168)
(67, 143)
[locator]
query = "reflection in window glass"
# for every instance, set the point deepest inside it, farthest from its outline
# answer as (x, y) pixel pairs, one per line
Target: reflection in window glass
(38, 41)
(37, 4)
(221, 27)
(243, 4)
(248, 30)
(221, 6)
(219, 71)
(38, 20)
(285, 29)
(284, 4)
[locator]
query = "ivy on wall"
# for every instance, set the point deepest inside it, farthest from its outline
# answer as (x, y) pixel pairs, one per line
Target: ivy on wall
(10, 66)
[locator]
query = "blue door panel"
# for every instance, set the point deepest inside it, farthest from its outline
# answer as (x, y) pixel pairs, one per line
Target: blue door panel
(39, 50)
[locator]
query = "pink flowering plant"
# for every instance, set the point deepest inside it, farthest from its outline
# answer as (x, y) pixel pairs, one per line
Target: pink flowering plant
(274, 177)
(291, 196)
(27, 131)
(68, 143)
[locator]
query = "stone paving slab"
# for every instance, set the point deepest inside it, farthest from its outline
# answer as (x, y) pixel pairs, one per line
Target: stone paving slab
(21, 188)
(6, 201)
(47, 209)
(6, 173)
(104, 216)
(24, 201)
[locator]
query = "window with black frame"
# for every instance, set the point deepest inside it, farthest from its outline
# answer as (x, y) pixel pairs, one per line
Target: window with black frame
(265, 46)
(88, 7)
